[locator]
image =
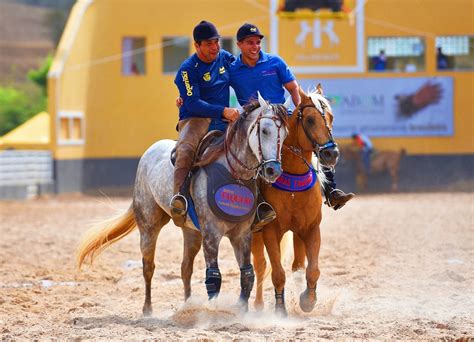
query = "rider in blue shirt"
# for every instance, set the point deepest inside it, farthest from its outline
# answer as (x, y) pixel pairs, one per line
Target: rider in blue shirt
(205, 88)
(268, 76)
(203, 83)
(255, 70)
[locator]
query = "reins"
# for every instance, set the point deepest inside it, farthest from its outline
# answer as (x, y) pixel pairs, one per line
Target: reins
(317, 148)
(229, 137)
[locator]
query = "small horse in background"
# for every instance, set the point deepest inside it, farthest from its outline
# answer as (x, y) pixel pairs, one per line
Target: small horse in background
(380, 161)
(296, 198)
(251, 145)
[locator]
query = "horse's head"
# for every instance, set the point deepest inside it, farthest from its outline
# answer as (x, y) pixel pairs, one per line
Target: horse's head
(315, 116)
(266, 127)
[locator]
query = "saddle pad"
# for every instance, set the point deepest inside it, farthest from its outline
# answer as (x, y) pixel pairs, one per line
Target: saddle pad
(296, 183)
(228, 199)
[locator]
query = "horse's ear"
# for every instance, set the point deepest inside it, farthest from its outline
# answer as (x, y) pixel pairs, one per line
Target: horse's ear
(287, 103)
(319, 89)
(262, 102)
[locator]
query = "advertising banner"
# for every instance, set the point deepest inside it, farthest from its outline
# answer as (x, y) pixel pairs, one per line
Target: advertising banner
(388, 107)
(312, 43)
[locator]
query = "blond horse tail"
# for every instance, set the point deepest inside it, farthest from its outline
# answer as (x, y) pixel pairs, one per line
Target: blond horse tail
(103, 234)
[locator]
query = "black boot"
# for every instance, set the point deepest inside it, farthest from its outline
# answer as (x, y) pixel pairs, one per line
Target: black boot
(335, 198)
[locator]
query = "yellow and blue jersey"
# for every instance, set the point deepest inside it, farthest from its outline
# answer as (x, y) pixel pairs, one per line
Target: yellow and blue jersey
(204, 87)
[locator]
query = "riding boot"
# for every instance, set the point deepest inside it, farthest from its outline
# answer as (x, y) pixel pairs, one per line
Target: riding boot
(179, 203)
(191, 132)
(265, 214)
(335, 198)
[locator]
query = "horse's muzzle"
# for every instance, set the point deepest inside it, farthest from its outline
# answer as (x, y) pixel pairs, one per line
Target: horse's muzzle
(271, 170)
(329, 156)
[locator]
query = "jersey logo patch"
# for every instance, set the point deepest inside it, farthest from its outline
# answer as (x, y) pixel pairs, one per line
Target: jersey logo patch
(189, 87)
(207, 76)
(221, 70)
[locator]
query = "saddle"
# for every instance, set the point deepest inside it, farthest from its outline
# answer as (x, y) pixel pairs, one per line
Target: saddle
(207, 148)
(228, 199)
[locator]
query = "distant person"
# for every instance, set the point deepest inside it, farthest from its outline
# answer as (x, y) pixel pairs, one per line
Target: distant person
(380, 61)
(441, 59)
(366, 147)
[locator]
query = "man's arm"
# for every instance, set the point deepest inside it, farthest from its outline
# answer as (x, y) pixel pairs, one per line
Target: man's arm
(293, 88)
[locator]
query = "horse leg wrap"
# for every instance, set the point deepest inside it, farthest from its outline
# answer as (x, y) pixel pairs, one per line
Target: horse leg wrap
(280, 298)
(213, 282)
(247, 278)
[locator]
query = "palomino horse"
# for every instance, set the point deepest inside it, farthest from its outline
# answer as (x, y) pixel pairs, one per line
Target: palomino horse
(252, 144)
(297, 200)
(380, 161)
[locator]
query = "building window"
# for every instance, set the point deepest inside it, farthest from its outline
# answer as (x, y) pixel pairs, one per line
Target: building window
(71, 128)
(133, 56)
(455, 53)
(399, 54)
(175, 51)
(230, 44)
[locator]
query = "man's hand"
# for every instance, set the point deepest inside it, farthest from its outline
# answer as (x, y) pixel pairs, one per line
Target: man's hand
(230, 114)
(179, 102)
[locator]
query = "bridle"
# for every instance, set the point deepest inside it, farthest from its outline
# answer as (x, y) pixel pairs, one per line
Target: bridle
(317, 148)
(231, 131)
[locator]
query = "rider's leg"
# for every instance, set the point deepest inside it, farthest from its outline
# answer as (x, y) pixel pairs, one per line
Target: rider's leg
(335, 198)
(190, 133)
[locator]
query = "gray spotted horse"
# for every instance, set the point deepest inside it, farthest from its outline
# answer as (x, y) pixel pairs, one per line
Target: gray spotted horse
(222, 200)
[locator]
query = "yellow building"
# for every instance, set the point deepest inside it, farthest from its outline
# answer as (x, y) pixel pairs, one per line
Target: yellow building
(112, 93)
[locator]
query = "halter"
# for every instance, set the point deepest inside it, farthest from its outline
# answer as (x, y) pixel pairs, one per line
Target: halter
(278, 123)
(317, 148)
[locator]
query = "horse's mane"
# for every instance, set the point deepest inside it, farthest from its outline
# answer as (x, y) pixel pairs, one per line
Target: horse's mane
(214, 151)
(317, 99)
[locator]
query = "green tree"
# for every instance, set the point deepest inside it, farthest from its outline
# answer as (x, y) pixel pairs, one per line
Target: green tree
(40, 75)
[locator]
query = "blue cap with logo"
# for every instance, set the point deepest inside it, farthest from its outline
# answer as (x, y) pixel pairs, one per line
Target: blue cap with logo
(205, 31)
(248, 30)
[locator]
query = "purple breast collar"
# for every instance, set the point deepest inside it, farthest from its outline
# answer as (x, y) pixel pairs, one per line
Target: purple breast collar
(295, 183)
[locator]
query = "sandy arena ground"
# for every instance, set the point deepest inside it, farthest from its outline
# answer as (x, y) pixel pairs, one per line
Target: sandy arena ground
(392, 267)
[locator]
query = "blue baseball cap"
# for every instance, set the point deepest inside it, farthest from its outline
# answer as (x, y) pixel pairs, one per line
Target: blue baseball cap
(205, 31)
(248, 30)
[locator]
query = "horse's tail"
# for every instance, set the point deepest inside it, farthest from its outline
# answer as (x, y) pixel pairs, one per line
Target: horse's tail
(103, 234)
(403, 152)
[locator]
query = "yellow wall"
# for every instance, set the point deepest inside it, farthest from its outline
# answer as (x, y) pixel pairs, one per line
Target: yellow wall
(126, 114)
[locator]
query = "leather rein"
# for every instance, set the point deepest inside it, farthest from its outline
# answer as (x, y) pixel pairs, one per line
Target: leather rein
(317, 148)
(256, 125)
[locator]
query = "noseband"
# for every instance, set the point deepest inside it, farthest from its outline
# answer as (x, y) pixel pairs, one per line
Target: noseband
(317, 148)
(256, 125)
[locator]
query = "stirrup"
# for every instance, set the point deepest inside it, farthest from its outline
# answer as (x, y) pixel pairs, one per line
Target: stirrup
(267, 216)
(175, 210)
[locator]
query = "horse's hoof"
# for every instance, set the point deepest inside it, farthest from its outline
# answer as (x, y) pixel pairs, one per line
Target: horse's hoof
(259, 306)
(147, 311)
(280, 311)
(307, 304)
(242, 307)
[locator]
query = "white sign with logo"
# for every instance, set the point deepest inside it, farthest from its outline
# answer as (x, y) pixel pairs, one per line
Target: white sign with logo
(386, 107)
(311, 42)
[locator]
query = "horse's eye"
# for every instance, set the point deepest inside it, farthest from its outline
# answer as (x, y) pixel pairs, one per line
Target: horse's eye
(265, 131)
(310, 121)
